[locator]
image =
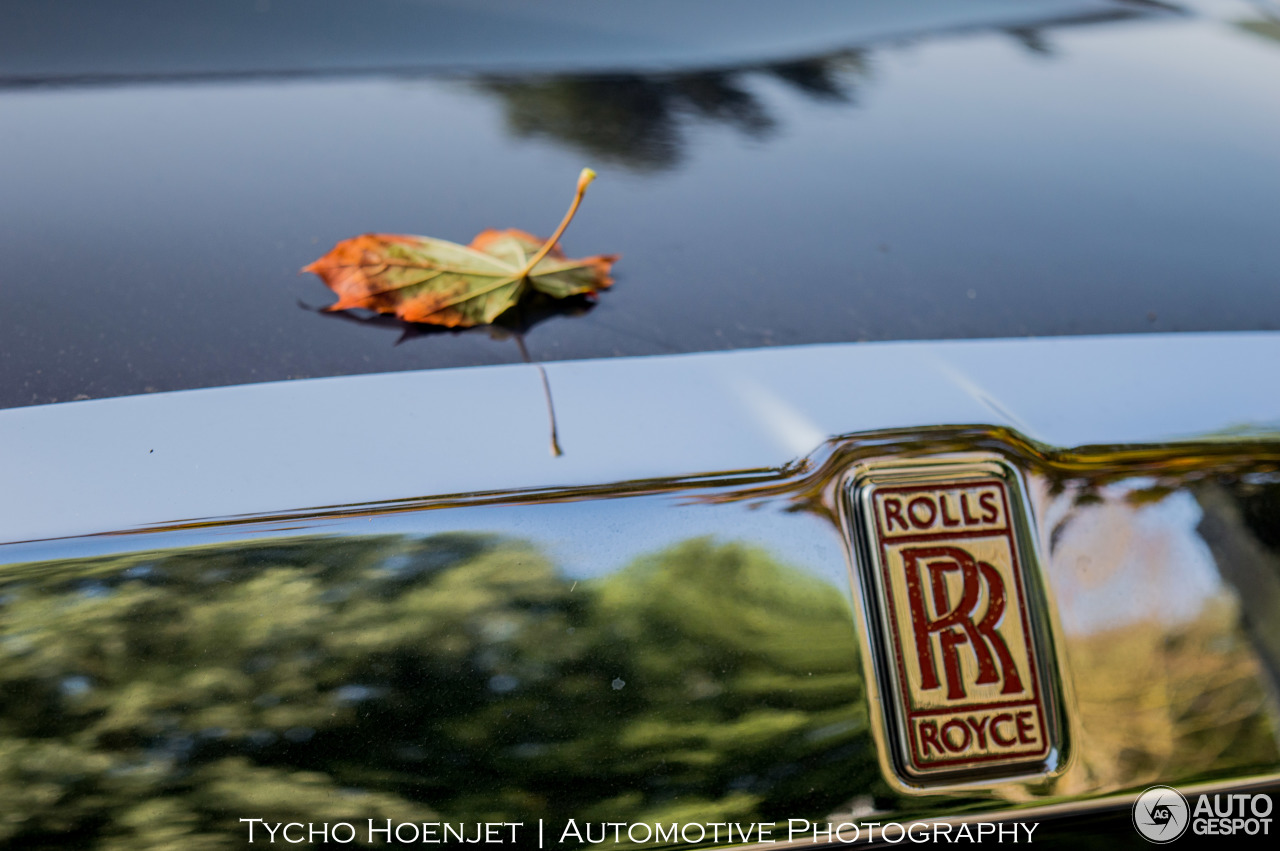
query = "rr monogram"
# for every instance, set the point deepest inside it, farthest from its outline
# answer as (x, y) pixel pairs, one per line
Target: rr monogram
(948, 568)
(956, 625)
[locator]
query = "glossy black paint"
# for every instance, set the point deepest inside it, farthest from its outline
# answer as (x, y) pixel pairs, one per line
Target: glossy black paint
(1090, 175)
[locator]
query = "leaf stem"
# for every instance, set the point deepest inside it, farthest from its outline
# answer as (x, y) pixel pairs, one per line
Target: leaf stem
(584, 180)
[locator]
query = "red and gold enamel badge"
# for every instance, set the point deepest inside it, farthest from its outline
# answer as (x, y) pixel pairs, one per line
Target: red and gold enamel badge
(951, 601)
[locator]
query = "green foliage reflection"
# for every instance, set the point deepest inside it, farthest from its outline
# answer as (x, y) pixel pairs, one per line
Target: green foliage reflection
(153, 700)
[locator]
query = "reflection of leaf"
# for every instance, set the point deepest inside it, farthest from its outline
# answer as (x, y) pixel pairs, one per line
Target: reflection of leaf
(519, 320)
(420, 279)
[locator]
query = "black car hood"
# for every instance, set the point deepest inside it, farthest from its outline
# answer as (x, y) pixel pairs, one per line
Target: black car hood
(851, 172)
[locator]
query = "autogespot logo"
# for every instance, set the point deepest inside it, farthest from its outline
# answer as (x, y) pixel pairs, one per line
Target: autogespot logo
(1161, 814)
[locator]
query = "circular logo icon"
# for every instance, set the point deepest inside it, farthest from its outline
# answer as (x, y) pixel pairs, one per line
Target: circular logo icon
(1161, 814)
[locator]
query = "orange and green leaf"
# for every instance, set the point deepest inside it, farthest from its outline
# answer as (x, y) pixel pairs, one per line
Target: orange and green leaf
(421, 279)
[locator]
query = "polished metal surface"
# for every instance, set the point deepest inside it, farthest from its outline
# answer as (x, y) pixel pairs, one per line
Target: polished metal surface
(659, 627)
(957, 631)
(119, 464)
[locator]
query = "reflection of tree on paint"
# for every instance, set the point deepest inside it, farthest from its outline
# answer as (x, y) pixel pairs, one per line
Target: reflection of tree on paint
(1267, 27)
(154, 700)
(1175, 685)
(638, 120)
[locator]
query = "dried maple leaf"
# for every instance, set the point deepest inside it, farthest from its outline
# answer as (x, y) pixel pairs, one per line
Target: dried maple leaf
(421, 279)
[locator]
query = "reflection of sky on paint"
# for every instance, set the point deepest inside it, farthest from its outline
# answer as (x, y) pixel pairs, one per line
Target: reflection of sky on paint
(1117, 564)
(584, 539)
(117, 464)
(593, 538)
(1114, 564)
